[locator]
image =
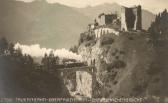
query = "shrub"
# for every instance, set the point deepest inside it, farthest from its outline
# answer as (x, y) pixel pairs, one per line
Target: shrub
(116, 64)
(74, 49)
(85, 37)
(107, 40)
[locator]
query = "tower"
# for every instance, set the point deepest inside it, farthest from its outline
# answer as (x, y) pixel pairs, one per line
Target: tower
(131, 18)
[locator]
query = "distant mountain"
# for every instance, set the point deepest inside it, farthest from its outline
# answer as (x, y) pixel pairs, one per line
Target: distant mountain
(50, 25)
(93, 12)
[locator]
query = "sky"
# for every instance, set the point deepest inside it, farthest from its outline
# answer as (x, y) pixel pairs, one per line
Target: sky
(154, 6)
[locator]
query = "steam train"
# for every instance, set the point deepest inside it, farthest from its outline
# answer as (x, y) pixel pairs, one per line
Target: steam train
(70, 65)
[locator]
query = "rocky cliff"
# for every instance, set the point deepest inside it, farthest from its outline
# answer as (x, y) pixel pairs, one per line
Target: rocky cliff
(122, 64)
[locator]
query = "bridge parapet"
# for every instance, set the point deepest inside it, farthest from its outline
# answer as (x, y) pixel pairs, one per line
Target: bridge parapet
(89, 69)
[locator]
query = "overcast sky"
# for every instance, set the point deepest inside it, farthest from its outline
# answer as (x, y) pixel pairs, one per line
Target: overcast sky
(154, 6)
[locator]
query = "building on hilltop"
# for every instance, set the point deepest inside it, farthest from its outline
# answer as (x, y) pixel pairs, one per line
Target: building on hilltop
(106, 19)
(108, 23)
(131, 18)
(104, 30)
(93, 25)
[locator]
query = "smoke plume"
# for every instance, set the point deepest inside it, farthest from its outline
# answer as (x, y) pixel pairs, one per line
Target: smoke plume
(36, 51)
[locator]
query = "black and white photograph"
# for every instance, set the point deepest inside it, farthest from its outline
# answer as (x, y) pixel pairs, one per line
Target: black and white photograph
(83, 51)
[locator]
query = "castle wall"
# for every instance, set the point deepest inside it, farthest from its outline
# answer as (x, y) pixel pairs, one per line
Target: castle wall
(136, 20)
(123, 20)
(139, 18)
(131, 18)
(101, 20)
(104, 30)
(107, 19)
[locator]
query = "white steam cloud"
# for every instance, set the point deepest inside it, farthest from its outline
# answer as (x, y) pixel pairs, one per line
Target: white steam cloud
(36, 51)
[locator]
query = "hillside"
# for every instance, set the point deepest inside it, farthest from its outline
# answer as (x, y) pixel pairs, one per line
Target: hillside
(18, 79)
(93, 12)
(127, 65)
(50, 25)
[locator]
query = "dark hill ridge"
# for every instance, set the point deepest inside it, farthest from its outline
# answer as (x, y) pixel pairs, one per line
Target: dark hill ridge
(50, 25)
(19, 80)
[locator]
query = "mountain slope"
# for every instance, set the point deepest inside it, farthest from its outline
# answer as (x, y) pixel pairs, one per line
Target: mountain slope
(51, 25)
(93, 12)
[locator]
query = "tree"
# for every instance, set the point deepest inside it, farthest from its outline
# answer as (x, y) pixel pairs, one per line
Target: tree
(3, 45)
(53, 60)
(19, 52)
(86, 37)
(45, 61)
(74, 49)
(50, 61)
(28, 60)
(11, 48)
(159, 28)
